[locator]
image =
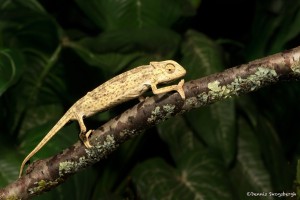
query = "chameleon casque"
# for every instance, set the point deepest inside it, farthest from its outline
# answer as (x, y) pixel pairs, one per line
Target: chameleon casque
(126, 86)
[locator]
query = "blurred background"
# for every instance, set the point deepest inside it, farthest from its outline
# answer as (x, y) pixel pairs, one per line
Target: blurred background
(53, 52)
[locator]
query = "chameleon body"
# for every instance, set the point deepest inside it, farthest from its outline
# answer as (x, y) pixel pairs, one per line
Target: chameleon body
(121, 88)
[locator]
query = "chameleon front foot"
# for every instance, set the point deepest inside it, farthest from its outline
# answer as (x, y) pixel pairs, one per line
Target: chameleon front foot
(180, 89)
(85, 139)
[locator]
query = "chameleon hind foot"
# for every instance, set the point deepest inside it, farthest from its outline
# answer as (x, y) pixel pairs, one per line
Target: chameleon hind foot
(85, 138)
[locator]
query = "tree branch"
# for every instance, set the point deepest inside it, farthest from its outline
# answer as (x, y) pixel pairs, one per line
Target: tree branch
(48, 173)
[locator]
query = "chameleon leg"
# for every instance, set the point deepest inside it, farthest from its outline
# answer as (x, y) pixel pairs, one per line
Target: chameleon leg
(178, 88)
(83, 134)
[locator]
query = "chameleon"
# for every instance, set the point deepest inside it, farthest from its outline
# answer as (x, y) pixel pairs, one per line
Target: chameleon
(121, 88)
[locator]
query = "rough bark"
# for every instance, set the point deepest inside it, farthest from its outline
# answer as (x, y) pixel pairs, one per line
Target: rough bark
(46, 174)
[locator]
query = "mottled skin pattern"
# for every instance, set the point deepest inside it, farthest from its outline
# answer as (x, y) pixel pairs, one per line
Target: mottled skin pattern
(121, 88)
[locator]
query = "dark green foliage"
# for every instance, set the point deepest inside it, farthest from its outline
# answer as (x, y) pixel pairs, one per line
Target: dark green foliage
(53, 52)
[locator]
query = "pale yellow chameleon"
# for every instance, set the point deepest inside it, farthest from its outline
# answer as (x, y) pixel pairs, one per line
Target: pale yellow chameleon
(126, 86)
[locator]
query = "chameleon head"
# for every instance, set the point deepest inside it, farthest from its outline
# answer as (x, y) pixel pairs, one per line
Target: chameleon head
(166, 71)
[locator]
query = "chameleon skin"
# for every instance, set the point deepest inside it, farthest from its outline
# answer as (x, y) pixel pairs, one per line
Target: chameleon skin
(121, 88)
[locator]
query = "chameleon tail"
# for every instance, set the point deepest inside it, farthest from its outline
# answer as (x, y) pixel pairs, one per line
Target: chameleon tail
(67, 116)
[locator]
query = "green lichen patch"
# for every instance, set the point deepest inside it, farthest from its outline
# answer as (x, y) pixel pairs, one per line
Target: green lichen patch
(13, 197)
(107, 144)
(101, 150)
(217, 91)
(158, 114)
(154, 114)
(41, 186)
(169, 110)
(67, 167)
(130, 133)
(125, 132)
(203, 97)
(192, 101)
(250, 83)
(261, 76)
(94, 154)
(214, 86)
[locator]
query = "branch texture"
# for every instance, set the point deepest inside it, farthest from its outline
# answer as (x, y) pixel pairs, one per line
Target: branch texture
(48, 173)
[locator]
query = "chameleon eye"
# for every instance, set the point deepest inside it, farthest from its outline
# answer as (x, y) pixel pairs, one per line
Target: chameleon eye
(170, 68)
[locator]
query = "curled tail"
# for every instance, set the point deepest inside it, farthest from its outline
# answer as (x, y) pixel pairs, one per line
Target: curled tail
(67, 116)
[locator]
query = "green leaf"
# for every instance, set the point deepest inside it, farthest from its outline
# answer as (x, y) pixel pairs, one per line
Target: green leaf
(32, 5)
(43, 119)
(247, 106)
(34, 34)
(37, 87)
(115, 50)
(162, 41)
(39, 116)
(31, 27)
(127, 14)
(178, 135)
(289, 27)
(272, 151)
(200, 175)
(11, 68)
(111, 63)
(201, 55)
(215, 125)
(195, 3)
(39, 32)
(9, 163)
(277, 28)
(249, 165)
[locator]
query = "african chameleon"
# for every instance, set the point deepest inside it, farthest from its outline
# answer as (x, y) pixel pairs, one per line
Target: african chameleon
(121, 88)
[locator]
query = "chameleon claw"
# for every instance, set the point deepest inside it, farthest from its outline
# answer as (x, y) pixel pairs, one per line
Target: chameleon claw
(85, 139)
(87, 144)
(87, 135)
